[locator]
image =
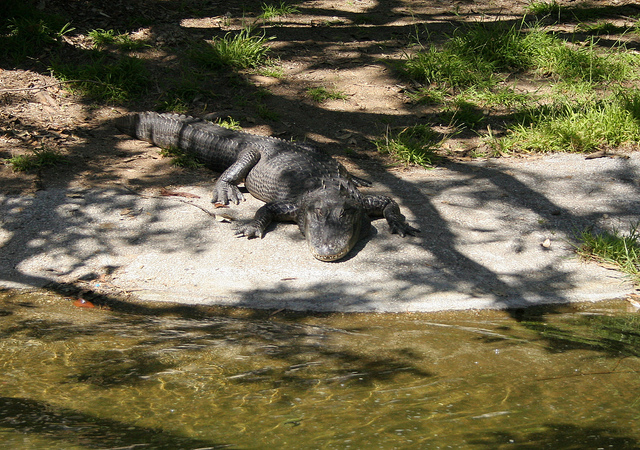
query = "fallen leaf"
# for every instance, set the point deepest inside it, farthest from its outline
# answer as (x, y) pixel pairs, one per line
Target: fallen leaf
(634, 304)
(224, 218)
(82, 303)
(598, 154)
(167, 193)
(344, 134)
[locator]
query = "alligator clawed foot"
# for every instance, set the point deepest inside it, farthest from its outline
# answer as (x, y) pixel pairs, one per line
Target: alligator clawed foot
(403, 229)
(226, 193)
(249, 230)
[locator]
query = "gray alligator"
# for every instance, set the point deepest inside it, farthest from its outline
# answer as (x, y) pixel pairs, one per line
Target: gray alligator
(296, 181)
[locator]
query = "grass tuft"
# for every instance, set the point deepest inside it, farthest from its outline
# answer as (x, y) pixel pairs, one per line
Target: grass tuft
(103, 38)
(427, 96)
(229, 123)
(476, 55)
(104, 79)
(578, 125)
(273, 11)
(322, 94)
(242, 50)
(567, 62)
(411, 145)
(180, 158)
(38, 159)
(621, 250)
(26, 32)
(271, 70)
(601, 27)
(544, 8)
(485, 53)
(463, 114)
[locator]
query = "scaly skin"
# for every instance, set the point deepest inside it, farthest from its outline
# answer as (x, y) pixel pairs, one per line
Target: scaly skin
(297, 182)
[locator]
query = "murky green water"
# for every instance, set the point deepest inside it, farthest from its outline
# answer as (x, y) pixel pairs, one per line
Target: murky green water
(152, 376)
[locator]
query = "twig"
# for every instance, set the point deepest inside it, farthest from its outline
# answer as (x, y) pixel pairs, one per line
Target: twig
(57, 83)
(132, 190)
(167, 198)
(193, 204)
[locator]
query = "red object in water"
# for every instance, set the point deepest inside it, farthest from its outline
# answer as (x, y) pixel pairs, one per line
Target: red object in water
(82, 303)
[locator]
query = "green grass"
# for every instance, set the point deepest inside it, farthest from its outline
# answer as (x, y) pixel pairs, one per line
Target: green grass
(496, 96)
(463, 113)
(476, 55)
(482, 54)
(180, 158)
(105, 79)
(543, 8)
(464, 78)
(446, 68)
(428, 96)
(620, 250)
(173, 104)
(570, 125)
(600, 27)
(242, 50)
(272, 11)
(411, 145)
(266, 113)
(229, 123)
(26, 32)
(104, 38)
(38, 159)
(322, 94)
(271, 70)
(566, 62)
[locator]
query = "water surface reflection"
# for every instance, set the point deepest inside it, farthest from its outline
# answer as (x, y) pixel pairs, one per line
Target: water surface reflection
(165, 376)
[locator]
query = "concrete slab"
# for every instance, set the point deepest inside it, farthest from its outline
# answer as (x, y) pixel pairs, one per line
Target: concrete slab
(483, 225)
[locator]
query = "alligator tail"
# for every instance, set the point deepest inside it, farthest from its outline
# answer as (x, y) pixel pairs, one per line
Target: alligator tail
(163, 130)
(215, 146)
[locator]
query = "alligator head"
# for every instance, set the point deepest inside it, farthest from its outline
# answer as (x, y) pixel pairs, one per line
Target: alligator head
(332, 219)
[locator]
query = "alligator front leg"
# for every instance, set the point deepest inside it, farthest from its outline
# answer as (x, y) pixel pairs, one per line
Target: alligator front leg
(380, 205)
(226, 188)
(279, 211)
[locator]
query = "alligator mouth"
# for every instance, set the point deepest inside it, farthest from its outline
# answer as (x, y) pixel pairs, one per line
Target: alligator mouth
(330, 258)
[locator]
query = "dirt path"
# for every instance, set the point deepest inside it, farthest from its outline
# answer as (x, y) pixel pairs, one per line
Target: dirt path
(346, 46)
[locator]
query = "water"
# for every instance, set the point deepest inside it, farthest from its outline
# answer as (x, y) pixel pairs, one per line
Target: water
(156, 376)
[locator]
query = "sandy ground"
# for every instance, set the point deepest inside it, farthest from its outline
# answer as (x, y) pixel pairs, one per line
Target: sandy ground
(495, 234)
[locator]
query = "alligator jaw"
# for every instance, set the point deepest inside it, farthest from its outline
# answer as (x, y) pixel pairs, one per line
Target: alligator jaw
(329, 257)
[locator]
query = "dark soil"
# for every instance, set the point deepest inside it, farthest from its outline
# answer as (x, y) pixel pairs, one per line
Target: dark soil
(346, 46)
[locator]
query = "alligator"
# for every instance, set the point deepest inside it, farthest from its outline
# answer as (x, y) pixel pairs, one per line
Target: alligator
(297, 181)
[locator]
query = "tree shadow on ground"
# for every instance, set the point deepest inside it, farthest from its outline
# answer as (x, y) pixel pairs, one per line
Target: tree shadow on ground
(293, 345)
(234, 89)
